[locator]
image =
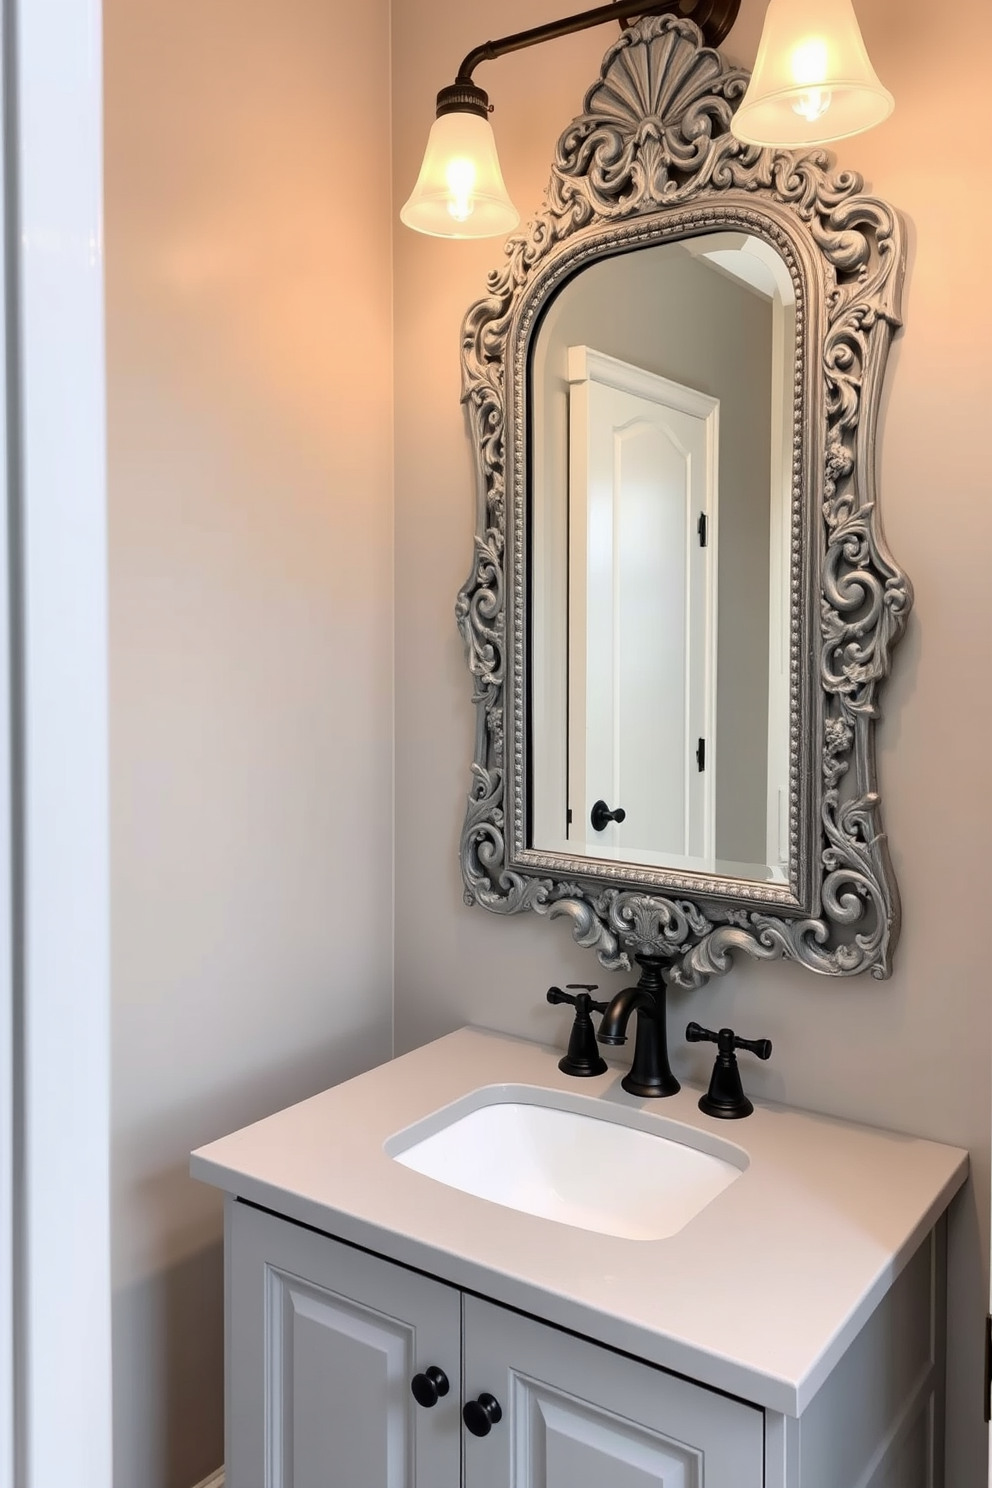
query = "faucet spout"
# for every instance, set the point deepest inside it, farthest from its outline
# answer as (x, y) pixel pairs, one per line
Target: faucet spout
(613, 1027)
(650, 1071)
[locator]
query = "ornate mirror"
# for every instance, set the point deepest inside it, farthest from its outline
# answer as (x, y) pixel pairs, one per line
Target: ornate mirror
(681, 608)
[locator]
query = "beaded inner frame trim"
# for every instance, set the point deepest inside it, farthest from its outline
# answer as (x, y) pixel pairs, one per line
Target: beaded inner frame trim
(651, 158)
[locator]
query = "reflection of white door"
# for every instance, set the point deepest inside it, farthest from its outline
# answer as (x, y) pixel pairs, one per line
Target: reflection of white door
(642, 609)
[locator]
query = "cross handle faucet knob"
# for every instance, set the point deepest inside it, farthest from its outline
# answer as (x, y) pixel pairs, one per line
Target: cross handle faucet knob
(727, 1041)
(583, 999)
(725, 1097)
(583, 1058)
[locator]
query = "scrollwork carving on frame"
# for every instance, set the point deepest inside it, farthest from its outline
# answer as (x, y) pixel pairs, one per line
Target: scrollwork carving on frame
(651, 157)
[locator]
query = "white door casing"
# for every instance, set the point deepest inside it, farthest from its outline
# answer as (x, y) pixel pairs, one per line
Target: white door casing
(55, 1419)
(8, 1101)
(642, 610)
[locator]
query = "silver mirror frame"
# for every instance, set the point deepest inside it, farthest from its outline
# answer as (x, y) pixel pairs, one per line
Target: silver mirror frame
(651, 158)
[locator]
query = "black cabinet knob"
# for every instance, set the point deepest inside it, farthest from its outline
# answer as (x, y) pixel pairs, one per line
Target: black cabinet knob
(430, 1386)
(600, 816)
(480, 1416)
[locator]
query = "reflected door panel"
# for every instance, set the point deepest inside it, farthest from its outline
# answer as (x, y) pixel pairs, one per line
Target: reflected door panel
(642, 476)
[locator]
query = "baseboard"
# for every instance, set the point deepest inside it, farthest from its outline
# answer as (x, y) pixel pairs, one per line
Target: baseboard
(215, 1480)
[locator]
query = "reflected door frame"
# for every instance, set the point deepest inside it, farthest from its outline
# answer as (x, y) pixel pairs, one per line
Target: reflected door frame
(697, 414)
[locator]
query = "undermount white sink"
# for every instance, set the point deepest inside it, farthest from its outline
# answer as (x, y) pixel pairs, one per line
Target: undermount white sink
(549, 1154)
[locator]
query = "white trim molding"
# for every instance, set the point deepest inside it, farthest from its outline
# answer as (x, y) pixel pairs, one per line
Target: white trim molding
(58, 1396)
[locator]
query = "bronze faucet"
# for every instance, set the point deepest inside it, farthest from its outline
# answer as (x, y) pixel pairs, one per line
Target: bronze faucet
(650, 1072)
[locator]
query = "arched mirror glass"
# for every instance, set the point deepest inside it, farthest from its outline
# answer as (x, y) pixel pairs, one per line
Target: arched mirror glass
(660, 472)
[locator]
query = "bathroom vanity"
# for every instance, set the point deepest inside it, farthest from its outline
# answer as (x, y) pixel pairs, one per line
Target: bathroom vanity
(780, 1328)
(466, 1267)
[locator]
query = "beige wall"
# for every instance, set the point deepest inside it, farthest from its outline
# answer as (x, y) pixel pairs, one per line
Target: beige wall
(249, 326)
(913, 1053)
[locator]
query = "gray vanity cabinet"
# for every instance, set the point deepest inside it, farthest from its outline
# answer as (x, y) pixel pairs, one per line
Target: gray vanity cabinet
(808, 1353)
(324, 1340)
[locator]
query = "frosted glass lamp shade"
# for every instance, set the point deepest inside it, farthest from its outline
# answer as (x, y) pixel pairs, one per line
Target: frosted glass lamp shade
(813, 80)
(460, 192)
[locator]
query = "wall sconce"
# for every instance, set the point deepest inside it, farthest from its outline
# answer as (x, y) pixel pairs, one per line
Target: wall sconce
(460, 191)
(812, 82)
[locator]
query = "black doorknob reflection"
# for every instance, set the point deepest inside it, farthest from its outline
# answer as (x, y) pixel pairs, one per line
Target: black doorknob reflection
(480, 1416)
(600, 816)
(430, 1386)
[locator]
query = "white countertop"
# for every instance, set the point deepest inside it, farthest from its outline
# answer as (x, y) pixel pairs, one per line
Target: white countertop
(758, 1295)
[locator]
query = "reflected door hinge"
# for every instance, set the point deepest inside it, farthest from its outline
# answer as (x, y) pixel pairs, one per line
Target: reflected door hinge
(701, 754)
(702, 527)
(568, 816)
(987, 1393)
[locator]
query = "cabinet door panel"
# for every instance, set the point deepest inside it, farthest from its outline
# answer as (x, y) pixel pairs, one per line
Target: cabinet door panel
(323, 1341)
(333, 1364)
(579, 1416)
(570, 1441)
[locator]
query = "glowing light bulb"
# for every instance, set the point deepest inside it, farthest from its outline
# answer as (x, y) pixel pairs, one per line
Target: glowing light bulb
(460, 178)
(810, 62)
(810, 67)
(812, 104)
